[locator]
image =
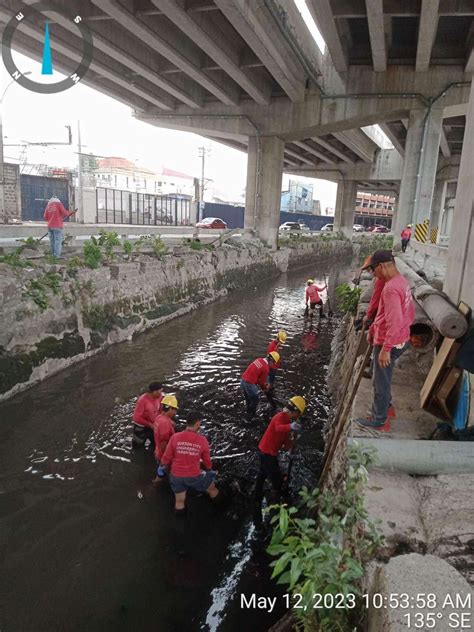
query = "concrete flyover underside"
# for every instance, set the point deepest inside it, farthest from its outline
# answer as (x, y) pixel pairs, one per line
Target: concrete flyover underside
(249, 74)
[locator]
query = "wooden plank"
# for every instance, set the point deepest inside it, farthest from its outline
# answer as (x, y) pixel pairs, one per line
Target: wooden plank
(448, 349)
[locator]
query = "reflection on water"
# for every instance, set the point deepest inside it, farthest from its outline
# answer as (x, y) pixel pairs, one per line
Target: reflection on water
(86, 541)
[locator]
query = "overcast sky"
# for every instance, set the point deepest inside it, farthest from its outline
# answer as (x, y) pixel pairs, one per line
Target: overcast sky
(109, 129)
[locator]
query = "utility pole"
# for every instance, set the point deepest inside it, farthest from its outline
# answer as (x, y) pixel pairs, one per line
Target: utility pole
(80, 188)
(202, 154)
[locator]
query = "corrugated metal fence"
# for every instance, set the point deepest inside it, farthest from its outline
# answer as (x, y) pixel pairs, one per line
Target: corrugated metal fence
(37, 190)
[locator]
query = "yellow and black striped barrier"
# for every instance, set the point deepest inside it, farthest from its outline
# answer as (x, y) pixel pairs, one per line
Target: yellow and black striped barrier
(422, 230)
(434, 235)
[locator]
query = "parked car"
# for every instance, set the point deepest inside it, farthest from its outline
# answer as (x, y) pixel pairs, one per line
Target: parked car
(304, 227)
(290, 226)
(327, 228)
(369, 229)
(381, 229)
(211, 222)
(358, 228)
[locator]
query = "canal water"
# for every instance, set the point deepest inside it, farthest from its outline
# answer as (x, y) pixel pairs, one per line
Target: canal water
(86, 541)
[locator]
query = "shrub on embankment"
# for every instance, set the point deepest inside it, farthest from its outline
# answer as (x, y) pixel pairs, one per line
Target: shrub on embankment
(56, 314)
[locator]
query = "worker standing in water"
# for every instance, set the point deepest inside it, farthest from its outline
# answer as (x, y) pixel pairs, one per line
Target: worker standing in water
(255, 378)
(164, 425)
(146, 410)
(277, 436)
(313, 299)
(275, 345)
(185, 453)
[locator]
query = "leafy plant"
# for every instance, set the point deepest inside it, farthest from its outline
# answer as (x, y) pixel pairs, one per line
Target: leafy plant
(348, 298)
(107, 240)
(52, 281)
(159, 246)
(322, 547)
(30, 242)
(74, 262)
(127, 247)
(92, 253)
(13, 259)
(36, 290)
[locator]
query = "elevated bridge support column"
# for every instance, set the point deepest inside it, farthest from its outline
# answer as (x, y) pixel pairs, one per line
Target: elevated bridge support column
(263, 190)
(438, 202)
(458, 283)
(345, 207)
(419, 167)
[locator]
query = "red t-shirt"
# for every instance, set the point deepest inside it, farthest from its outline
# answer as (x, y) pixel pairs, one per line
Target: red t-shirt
(406, 233)
(55, 213)
(312, 293)
(277, 435)
(395, 314)
(375, 298)
(275, 346)
(185, 451)
(146, 410)
(162, 431)
(257, 372)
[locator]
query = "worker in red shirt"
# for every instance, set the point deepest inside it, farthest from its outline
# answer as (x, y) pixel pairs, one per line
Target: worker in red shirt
(313, 299)
(146, 410)
(277, 436)
(389, 333)
(183, 457)
(54, 214)
(255, 378)
(275, 345)
(406, 236)
(164, 425)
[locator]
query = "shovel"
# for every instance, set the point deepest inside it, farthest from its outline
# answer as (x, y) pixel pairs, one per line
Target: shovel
(330, 312)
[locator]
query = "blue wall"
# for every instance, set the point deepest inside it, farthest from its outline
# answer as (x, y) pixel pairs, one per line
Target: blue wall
(234, 216)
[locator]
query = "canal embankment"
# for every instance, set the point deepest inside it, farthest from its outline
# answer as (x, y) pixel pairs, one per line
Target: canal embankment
(57, 314)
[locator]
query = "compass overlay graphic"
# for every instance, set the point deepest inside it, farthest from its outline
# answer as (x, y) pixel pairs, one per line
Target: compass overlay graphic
(47, 68)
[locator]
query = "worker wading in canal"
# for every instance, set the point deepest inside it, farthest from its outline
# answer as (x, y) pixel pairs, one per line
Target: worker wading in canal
(164, 427)
(185, 453)
(389, 333)
(147, 409)
(275, 345)
(277, 436)
(313, 299)
(255, 378)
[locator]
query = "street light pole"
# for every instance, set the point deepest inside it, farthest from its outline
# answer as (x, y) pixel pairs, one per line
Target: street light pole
(202, 154)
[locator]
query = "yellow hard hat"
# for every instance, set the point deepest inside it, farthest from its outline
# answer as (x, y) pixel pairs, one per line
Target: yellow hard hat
(310, 281)
(408, 225)
(170, 401)
(282, 337)
(298, 403)
(275, 356)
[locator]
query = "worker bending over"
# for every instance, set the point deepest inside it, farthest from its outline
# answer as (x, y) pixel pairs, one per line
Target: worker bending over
(147, 409)
(275, 345)
(313, 299)
(389, 333)
(255, 378)
(183, 457)
(164, 425)
(276, 437)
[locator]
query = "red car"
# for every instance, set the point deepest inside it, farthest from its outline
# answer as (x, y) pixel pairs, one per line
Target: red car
(380, 229)
(211, 222)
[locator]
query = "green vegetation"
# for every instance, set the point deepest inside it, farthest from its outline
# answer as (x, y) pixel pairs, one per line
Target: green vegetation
(107, 240)
(92, 253)
(321, 549)
(348, 298)
(37, 289)
(29, 242)
(127, 248)
(369, 244)
(13, 259)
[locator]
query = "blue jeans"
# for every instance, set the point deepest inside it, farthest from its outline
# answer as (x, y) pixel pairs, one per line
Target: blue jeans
(382, 381)
(56, 241)
(252, 395)
(271, 376)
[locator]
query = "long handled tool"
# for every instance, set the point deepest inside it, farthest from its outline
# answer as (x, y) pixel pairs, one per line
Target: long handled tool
(330, 312)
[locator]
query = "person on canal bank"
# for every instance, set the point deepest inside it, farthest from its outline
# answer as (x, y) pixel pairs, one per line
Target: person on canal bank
(275, 345)
(164, 426)
(406, 236)
(389, 333)
(277, 436)
(313, 299)
(54, 214)
(255, 378)
(147, 409)
(184, 454)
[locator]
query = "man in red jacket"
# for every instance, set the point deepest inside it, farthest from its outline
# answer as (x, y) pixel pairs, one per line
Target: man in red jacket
(275, 345)
(389, 333)
(255, 378)
(406, 236)
(147, 409)
(312, 298)
(276, 437)
(54, 214)
(183, 457)
(164, 425)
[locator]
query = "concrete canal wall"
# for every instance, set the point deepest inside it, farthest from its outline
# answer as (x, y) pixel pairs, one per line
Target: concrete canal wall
(56, 315)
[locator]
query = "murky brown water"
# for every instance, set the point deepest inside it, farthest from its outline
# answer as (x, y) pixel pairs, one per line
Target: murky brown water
(86, 542)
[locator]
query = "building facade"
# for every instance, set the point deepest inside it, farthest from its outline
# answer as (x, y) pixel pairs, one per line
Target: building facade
(299, 199)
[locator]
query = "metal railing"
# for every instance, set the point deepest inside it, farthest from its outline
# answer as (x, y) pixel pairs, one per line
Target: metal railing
(115, 206)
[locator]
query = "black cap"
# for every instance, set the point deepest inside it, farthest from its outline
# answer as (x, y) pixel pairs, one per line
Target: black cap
(155, 386)
(379, 256)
